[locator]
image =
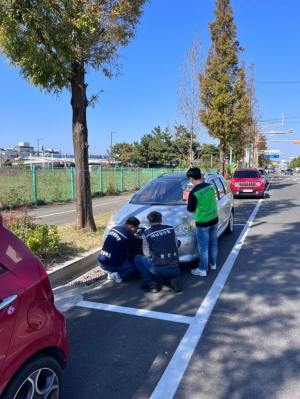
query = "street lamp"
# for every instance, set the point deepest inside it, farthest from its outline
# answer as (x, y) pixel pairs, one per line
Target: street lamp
(38, 147)
(111, 133)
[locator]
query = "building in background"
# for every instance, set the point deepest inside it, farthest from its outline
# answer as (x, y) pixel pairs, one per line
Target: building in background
(24, 147)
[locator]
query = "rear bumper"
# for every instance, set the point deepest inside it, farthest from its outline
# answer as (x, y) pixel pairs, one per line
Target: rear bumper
(61, 337)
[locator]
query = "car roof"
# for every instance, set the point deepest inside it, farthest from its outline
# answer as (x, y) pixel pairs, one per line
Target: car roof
(183, 176)
(172, 176)
(241, 170)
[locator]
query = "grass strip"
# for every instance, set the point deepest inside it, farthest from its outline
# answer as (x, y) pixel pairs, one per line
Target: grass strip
(74, 242)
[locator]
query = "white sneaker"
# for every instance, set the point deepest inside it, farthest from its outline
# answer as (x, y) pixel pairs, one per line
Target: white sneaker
(212, 267)
(199, 272)
(115, 277)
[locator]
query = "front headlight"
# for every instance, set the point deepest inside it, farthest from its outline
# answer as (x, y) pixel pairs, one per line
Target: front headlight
(236, 184)
(257, 184)
(185, 227)
(111, 223)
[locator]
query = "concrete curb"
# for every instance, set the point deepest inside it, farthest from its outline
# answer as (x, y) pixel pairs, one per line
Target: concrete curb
(74, 268)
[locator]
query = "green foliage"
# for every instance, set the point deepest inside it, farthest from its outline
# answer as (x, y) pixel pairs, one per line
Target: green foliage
(57, 193)
(7, 162)
(10, 199)
(123, 153)
(111, 189)
(222, 85)
(41, 239)
(295, 163)
(262, 146)
(182, 140)
(45, 38)
(21, 163)
(210, 149)
(156, 148)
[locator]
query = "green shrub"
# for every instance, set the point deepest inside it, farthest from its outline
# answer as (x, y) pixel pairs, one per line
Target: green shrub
(111, 189)
(41, 239)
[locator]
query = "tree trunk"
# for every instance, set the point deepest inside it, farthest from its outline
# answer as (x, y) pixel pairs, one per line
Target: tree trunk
(79, 104)
(222, 158)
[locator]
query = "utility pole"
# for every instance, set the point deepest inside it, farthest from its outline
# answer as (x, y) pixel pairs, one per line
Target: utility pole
(111, 133)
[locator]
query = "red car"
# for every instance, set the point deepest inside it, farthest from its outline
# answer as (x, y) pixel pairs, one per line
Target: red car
(246, 182)
(34, 346)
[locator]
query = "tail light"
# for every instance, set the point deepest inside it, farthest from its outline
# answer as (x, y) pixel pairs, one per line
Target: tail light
(45, 281)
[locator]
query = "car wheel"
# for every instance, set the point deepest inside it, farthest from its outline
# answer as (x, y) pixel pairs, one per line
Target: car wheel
(230, 226)
(39, 377)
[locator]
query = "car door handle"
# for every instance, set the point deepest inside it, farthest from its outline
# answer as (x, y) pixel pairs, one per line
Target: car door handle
(7, 301)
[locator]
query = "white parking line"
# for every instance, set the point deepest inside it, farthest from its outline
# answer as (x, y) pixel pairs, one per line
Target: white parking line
(173, 374)
(239, 224)
(136, 312)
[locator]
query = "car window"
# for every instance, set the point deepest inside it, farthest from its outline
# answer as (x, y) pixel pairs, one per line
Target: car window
(262, 171)
(226, 186)
(219, 187)
(248, 174)
(163, 192)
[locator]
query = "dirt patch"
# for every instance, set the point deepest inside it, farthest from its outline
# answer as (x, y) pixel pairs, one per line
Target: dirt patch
(91, 279)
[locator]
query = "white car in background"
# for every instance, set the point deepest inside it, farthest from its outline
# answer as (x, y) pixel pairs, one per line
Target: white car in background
(264, 175)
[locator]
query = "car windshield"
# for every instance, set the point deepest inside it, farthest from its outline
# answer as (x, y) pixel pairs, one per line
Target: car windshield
(289, 170)
(163, 192)
(246, 174)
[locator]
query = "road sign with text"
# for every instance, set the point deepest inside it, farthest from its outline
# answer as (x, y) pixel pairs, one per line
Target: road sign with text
(271, 156)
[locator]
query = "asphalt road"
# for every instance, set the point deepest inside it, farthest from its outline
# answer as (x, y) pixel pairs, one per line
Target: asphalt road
(66, 213)
(231, 335)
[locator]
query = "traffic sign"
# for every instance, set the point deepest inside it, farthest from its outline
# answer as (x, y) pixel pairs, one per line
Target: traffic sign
(271, 156)
(272, 151)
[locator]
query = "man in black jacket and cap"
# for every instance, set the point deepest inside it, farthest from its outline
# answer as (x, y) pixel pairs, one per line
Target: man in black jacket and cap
(160, 255)
(117, 254)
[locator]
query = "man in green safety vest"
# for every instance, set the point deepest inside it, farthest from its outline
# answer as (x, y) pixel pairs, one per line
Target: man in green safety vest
(202, 201)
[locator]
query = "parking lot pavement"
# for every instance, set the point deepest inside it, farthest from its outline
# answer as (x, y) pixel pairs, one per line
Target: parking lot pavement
(129, 344)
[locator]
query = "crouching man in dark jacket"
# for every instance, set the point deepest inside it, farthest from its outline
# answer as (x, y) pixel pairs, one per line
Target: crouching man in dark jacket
(161, 255)
(117, 254)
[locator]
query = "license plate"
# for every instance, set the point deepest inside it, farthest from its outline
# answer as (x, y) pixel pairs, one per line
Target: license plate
(247, 191)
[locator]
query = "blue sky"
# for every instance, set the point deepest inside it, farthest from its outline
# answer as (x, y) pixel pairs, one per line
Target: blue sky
(145, 96)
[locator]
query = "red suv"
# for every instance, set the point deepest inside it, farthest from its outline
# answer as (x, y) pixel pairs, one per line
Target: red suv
(34, 347)
(247, 182)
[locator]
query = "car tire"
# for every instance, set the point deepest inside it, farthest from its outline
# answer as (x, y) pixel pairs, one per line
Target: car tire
(230, 226)
(41, 375)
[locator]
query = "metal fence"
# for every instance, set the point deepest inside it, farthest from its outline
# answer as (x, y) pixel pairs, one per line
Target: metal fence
(39, 187)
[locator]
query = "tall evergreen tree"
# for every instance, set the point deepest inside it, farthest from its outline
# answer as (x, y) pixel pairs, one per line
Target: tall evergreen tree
(156, 148)
(222, 84)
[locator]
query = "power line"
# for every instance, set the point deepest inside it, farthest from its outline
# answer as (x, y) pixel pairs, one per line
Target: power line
(278, 82)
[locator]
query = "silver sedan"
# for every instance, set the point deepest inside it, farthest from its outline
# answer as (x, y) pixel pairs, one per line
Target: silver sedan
(168, 195)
